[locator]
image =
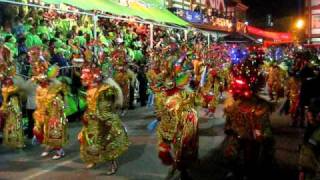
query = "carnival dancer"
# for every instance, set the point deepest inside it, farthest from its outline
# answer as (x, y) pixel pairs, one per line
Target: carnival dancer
(152, 76)
(209, 90)
(275, 82)
(178, 127)
(249, 142)
(197, 64)
(103, 137)
(13, 135)
(293, 93)
(50, 121)
(122, 76)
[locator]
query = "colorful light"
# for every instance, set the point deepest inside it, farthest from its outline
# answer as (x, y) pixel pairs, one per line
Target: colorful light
(238, 81)
(237, 55)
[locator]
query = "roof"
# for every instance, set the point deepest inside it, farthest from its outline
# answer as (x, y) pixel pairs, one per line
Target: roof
(239, 38)
(145, 9)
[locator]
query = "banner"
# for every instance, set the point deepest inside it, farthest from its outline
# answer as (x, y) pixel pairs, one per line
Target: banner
(276, 36)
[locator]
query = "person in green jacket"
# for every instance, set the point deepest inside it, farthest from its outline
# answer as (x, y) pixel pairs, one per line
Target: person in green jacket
(32, 39)
(44, 29)
(86, 29)
(80, 40)
(10, 43)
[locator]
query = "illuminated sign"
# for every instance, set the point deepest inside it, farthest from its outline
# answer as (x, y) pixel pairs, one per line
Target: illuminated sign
(222, 24)
(190, 4)
(192, 16)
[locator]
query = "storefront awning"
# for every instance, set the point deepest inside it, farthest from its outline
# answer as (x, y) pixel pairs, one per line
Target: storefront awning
(153, 11)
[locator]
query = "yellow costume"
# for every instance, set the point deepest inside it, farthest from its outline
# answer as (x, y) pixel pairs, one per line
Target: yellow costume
(293, 92)
(122, 78)
(13, 130)
(103, 138)
(275, 82)
(210, 91)
(179, 127)
(50, 121)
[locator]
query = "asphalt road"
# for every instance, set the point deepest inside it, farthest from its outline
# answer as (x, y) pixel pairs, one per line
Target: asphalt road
(141, 161)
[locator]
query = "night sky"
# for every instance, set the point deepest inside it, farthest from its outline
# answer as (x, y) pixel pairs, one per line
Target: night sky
(258, 9)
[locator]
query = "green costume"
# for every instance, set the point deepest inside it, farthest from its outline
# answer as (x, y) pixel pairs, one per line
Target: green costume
(33, 40)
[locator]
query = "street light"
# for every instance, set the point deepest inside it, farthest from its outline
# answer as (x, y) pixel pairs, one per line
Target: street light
(300, 24)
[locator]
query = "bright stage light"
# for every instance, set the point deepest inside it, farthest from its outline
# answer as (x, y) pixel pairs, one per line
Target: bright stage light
(300, 24)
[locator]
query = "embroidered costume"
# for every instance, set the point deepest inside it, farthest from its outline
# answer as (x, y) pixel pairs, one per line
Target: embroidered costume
(13, 135)
(103, 137)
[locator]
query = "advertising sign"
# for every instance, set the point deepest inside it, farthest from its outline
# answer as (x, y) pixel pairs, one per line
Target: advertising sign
(194, 17)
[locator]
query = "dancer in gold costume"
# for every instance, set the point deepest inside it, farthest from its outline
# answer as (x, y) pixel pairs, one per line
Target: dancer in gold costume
(275, 82)
(122, 75)
(175, 107)
(50, 121)
(103, 137)
(13, 131)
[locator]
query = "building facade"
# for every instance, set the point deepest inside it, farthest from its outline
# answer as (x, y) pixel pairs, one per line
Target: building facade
(313, 20)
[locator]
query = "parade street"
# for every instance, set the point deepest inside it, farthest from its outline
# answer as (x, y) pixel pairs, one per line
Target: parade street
(141, 161)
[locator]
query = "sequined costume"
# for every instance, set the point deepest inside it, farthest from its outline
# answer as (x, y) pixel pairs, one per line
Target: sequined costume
(210, 91)
(178, 128)
(293, 93)
(154, 78)
(13, 135)
(50, 121)
(50, 128)
(122, 78)
(248, 119)
(249, 142)
(103, 137)
(13, 129)
(121, 74)
(275, 82)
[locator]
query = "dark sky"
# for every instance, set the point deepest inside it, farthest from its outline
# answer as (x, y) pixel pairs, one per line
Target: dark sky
(278, 8)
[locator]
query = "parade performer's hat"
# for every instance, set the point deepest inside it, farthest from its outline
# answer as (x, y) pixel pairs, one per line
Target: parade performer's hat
(176, 77)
